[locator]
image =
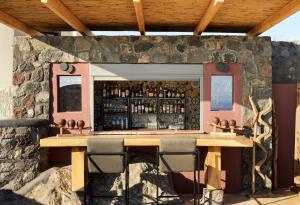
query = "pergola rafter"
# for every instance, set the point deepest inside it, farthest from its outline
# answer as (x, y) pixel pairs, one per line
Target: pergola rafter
(208, 16)
(66, 15)
(18, 25)
(276, 18)
(138, 7)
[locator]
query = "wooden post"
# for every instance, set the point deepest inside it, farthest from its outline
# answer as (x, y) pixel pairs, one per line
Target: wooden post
(213, 164)
(297, 134)
(78, 165)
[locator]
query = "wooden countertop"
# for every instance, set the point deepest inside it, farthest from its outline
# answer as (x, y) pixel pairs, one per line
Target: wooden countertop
(151, 139)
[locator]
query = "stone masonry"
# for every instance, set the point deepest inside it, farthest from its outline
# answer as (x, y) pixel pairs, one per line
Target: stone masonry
(286, 62)
(19, 156)
(33, 58)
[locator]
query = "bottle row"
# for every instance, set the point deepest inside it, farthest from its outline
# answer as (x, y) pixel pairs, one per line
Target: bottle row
(110, 107)
(117, 91)
(117, 123)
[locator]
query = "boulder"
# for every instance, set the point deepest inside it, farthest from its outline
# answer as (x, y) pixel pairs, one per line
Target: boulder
(54, 187)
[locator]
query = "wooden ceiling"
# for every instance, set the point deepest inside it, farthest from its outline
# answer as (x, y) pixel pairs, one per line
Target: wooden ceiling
(146, 15)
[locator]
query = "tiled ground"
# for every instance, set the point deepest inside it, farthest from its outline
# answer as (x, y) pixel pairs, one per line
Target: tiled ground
(280, 197)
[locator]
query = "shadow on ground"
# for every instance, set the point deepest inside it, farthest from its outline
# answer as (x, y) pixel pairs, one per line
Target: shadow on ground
(7, 197)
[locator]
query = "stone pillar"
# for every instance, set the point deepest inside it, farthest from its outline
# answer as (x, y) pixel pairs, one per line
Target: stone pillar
(19, 156)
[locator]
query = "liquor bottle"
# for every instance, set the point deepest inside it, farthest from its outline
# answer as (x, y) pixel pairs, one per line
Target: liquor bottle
(182, 95)
(104, 91)
(175, 107)
(169, 94)
(126, 107)
(171, 107)
(161, 93)
(136, 107)
(143, 107)
(123, 95)
(154, 108)
(112, 92)
(173, 93)
(177, 93)
(127, 93)
(116, 93)
(150, 108)
(164, 108)
(119, 92)
(178, 106)
(167, 107)
(146, 108)
(154, 92)
(132, 107)
(139, 107)
(141, 91)
(147, 91)
(165, 92)
(182, 108)
(151, 93)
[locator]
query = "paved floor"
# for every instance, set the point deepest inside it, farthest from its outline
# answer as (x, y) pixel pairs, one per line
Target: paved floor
(279, 197)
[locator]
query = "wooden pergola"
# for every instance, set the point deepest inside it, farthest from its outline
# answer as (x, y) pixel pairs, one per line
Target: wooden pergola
(253, 17)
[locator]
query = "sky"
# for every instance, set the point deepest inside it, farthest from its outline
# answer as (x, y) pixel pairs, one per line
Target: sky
(287, 30)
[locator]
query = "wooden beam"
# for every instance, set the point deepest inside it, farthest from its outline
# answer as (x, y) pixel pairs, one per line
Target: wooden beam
(210, 13)
(138, 7)
(66, 15)
(16, 24)
(276, 18)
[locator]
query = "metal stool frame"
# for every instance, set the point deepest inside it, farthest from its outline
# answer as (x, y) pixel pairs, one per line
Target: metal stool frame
(196, 154)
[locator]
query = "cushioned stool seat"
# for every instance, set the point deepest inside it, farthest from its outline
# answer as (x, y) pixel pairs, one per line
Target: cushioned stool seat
(178, 155)
(106, 156)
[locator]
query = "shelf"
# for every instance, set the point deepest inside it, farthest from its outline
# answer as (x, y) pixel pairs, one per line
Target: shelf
(171, 113)
(181, 98)
(143, 98)
(117, 98)
(109, 113)
(151, 113)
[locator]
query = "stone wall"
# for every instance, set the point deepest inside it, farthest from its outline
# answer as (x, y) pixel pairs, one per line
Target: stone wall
(6, 103)
(33, 58)
(19, 156)
(286, 62)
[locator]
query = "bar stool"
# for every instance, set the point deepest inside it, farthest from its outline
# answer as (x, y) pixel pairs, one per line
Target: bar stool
(106, 156)
(176, 155)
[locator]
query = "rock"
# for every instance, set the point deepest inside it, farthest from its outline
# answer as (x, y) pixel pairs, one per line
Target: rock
(212, 197)
(32, 88)
(19, 113)
(181, 48)
(38, 75)
(26, 67)
(54, 186)
(142, 46)
(28, 101)
(18, 78)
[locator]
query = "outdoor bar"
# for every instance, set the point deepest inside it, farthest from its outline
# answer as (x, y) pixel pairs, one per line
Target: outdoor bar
(151, 119)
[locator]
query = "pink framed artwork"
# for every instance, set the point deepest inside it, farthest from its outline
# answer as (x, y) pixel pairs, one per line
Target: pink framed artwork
(222, 93)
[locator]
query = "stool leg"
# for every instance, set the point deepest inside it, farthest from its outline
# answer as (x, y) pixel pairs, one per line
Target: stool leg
(198, 187)
(195, 181)
(127, 182)
(157, 174)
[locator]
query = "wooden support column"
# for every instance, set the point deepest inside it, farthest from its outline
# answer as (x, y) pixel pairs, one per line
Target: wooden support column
(297, 134)
(66, 15)
(276, 18)
(210, 13)
(78, 165)
(16, 24)
(213, 164)
(138, 7)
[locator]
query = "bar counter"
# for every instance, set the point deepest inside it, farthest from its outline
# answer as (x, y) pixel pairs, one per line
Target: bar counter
(214, 143)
